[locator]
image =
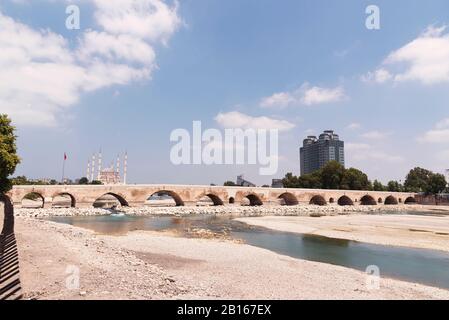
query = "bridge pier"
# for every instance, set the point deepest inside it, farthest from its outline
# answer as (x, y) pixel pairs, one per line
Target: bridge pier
(190, 203)
(48, 203)
(136, 204)
(84, 205)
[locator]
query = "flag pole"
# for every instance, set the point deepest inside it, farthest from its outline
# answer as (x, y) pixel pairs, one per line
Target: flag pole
(63, 168)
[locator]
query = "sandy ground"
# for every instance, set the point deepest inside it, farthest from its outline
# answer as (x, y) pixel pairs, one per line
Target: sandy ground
(429, 232)
(149, 265)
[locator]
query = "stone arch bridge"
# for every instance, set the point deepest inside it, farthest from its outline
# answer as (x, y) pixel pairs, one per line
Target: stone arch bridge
(189, 195)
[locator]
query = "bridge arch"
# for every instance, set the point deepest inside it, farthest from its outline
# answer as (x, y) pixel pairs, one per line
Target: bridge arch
(380, 200)
(368, 200)
(231, 200)
(33, 200)
(64, 195)
(212, 197)
(108, 198)
(345, 201)
(390, 200)
(289, 199)
(318, 200)
(176, 198)
(331, 200)
(254, 200)
(410, 200)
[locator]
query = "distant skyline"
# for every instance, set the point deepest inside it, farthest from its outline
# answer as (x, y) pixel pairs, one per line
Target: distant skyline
(137, 70)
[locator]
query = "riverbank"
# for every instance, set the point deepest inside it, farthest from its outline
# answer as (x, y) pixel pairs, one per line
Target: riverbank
(416, 231)
(246, 211)
(150, 265)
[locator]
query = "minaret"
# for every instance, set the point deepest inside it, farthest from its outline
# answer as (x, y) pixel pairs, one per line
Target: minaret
(99, 166)
(118, 168)
(88, 169)
(92, 173)
(125, 169)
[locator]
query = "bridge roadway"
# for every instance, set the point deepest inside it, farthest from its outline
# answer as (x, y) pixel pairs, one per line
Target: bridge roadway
(84, 196)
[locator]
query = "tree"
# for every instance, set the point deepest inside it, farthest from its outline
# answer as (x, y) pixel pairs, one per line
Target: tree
(354, 179)
(417, 180)
(20, 181)
(394, 186)
(229, 184)
(332, 175)
(422, 180)
(8, 153)
(307, 181)
(378, 186)
(310, 181)
(83, 180)
(96, 182)
(290, 181)
(437, 184)
(8, 163)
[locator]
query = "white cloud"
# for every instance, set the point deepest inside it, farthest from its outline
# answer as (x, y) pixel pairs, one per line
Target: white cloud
(115, 47)
(305, 95)
(443, 124)
(235, 119)
(145, 19)
(439, 134)
(42, 76)
(425, 59)
(353, 126)
(376, 135)
(317, 95)
(282, 99)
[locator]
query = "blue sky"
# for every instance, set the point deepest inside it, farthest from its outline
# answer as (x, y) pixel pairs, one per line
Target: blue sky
(311, 63)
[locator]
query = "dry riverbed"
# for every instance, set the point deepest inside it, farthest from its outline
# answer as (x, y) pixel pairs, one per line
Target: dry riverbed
(150, 265)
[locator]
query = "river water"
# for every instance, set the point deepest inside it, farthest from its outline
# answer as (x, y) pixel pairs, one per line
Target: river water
(424, 266)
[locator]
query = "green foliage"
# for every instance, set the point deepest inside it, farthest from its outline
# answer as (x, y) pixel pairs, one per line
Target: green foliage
(96, 182)
(8, 153)
(378, 186)
(354, 179)
(229, 184)
(417, 180)
(332, 176)
(437, 184)
(422, 180)
(83, 180)
(394, 186)
(23, 181)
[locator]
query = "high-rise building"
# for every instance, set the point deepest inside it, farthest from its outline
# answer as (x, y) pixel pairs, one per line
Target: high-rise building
(316, 152)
